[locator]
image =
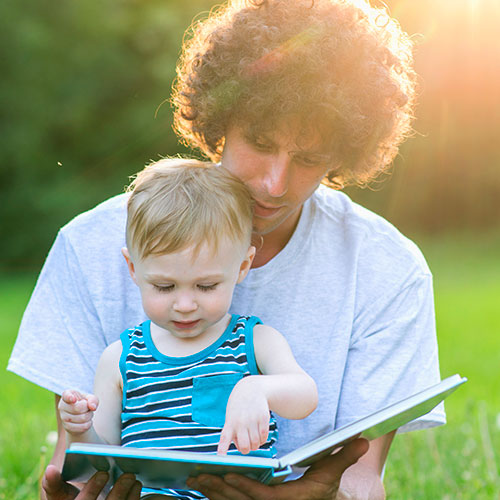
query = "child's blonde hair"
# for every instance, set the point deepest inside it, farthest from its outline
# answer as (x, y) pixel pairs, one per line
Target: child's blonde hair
(175, 203)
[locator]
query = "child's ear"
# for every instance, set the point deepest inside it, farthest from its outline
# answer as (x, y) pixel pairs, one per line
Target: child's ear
(246, 264)
(130, 263)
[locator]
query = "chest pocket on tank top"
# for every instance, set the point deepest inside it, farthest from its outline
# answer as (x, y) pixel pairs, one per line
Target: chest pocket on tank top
(210, 396)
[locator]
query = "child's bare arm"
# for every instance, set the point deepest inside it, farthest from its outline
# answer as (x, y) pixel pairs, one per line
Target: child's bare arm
(290, 391)
(283, 388)
(95, 418)
(108, 387)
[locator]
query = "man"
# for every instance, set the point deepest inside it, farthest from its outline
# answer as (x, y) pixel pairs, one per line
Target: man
(286, 95)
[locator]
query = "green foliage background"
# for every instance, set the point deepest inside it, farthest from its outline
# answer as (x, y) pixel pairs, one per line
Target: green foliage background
(81, 92)
(80, 95)
(81, 110)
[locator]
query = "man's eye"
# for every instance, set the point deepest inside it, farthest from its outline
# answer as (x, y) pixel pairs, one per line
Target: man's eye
(207, 288)
(304, 160)
(260, 143)
(164, 288)
(312, 160)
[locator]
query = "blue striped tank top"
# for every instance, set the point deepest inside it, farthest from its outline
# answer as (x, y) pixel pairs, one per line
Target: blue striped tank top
(179, 403)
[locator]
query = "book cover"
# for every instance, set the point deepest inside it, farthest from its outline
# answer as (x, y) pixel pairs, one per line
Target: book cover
(170, 469)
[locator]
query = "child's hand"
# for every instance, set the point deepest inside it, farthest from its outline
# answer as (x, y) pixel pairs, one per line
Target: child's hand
(77, 410)
(247, 418)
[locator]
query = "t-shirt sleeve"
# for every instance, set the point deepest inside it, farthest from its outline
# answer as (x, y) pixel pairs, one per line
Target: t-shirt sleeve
(60, 337)
(393, 354)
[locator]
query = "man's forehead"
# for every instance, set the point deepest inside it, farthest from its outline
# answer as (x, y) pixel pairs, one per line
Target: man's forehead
(292, 136)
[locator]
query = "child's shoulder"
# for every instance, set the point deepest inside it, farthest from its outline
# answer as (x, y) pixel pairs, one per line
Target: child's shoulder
(267, 335)
(112, 352)
(108, 368)
(272, 351)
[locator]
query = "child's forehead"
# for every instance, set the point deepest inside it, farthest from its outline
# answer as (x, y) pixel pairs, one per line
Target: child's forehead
(208, 252)
(213, 247)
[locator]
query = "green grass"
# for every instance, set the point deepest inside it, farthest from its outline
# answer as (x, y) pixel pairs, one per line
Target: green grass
(462, 459)
(26, 411)
(458, 461)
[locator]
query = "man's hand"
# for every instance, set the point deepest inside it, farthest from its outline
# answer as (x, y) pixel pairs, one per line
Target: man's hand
(76, 411)
(55, 488)
(247, 418)
(126, 488)
(320, 482)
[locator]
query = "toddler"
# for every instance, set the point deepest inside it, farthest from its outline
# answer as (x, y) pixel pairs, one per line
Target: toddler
(193, 377)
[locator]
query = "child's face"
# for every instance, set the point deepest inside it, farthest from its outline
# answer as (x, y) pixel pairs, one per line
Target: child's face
(188, 294)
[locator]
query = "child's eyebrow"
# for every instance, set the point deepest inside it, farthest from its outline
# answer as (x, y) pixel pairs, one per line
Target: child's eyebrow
(157, 277)
(212, 276)
(164, 277)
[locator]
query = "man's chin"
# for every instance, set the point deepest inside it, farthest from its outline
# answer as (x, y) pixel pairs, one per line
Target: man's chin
(263, 227)
(286, 223)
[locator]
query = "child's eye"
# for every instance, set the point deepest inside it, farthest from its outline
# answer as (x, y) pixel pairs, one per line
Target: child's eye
(164, 288)
(207, 288)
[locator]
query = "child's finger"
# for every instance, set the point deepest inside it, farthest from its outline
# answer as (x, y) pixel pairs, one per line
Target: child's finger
(263, 431)
(242, 441)
(225, 442)
(70, 396)
(75, 403)
(66, 406)
(77, 428)
(77, 418)
(254, 438)
(92, 402)
(73, 409)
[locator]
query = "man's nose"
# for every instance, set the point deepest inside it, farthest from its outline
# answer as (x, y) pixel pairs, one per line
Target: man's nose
(277, 174)
(185, 302)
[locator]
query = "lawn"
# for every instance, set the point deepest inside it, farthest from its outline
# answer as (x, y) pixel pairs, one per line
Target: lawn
(26, 411)
(458, 461)
(462, 459)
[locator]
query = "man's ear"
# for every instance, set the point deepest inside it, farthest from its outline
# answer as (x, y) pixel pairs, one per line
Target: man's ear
(130, 263)
(246, 264)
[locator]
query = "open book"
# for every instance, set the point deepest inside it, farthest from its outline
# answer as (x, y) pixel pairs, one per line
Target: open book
(170, 469)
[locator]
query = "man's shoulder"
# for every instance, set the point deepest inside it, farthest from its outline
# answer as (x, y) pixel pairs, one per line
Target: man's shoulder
(95, 237)
(106, 219)
(339, 207)
(375, 240)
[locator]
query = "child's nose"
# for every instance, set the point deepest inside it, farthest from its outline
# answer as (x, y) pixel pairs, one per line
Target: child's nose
(184, 302)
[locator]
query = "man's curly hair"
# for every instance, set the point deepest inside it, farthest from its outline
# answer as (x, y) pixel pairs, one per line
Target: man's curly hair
(341, 69)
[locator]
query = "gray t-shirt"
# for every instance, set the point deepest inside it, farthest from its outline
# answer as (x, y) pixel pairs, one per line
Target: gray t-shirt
(349, 292)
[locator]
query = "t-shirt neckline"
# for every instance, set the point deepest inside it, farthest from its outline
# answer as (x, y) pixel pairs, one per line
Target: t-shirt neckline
(192, 358)
(263, 274)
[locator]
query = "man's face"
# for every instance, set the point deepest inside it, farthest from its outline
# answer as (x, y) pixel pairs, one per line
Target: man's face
(280, 176)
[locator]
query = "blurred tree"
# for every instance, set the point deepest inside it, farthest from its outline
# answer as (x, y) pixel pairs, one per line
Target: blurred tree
(82, 83)
(447, 177)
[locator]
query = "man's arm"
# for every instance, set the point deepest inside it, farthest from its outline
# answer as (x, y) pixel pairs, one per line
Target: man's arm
(58, 457)
(363, 480)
